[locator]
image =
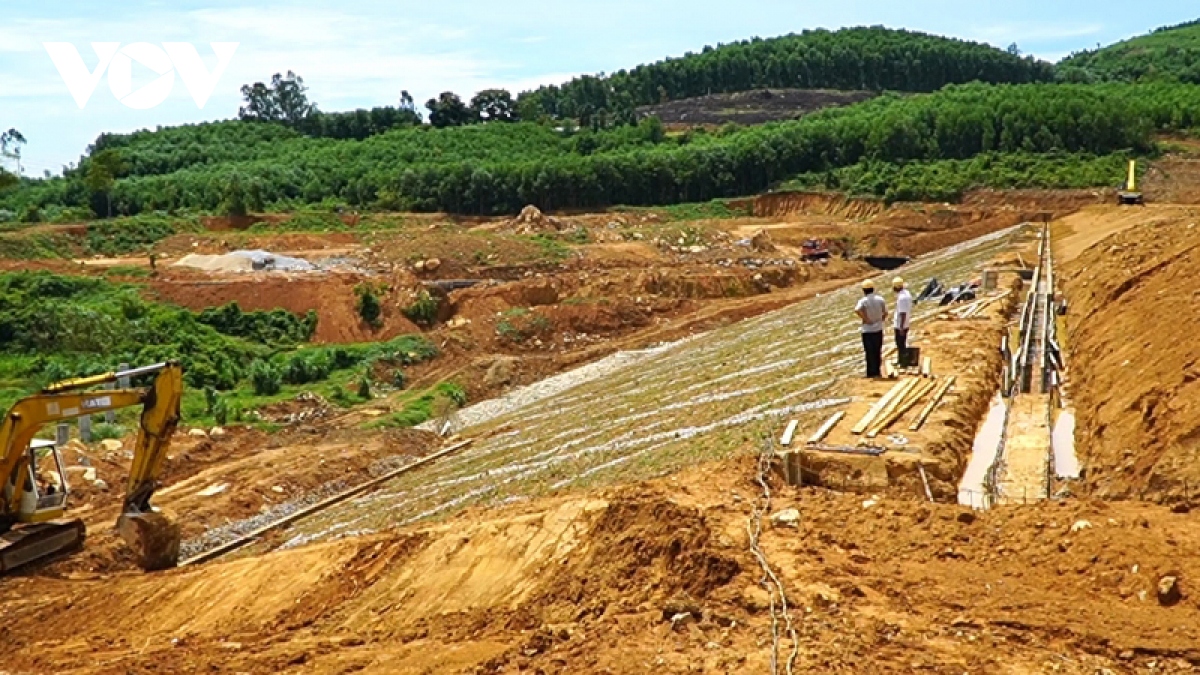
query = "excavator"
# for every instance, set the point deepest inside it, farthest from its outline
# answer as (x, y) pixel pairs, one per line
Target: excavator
(32, 509)
(1128, 195)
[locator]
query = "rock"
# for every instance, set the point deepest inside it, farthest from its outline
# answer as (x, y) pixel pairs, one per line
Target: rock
(278, 489)
(89, 474)
(681, 604)
(1080, 525)
(786, 518)
(110, 445)
(868, 503)
(1181, 507)
(824, 596)
(761, 242)
(1168, 591)
(756, 599)
(100, 484)
(681, 620)
(216, 432)
(501, 371)
(214, 489)
(419, 266)
(432, 264)
(197, 433)
(966, 517)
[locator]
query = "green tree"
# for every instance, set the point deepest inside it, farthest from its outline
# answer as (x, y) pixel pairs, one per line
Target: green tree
(233, 201)
(10, 146)
(448, 110)
(494, 105)
(103, 169)
(285, 100)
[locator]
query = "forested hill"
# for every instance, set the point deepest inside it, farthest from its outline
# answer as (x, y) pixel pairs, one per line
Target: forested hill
(498, 168)
(1171, 54)
(853, 58)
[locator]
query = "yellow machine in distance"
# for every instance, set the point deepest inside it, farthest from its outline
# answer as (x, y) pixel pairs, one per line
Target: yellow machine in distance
(1128, 194)
(30, 513)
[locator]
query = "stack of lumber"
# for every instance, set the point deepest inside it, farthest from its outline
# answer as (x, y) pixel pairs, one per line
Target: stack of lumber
(898, 401)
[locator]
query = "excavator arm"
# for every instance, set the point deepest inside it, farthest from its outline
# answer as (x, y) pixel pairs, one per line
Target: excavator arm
(154, 537)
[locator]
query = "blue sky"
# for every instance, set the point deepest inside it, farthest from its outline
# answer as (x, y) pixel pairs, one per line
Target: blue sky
(361, 54)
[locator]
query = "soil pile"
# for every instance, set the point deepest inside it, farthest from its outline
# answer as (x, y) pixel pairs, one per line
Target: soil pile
(245, 261)
(1136, 374)
(532, 221)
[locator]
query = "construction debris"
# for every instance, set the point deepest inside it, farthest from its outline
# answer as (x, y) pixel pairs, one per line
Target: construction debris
(917, 390)
(868, 418)
(826, 427)
(790, 431)
(937, 396)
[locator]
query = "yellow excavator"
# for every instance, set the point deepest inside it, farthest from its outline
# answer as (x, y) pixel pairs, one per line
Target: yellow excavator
(32, 509)
(1128, 195)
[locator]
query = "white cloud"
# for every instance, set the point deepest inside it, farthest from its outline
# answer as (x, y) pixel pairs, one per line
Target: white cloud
(1031, 32)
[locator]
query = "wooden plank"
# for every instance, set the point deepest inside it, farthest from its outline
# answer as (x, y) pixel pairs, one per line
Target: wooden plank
(250, 538)
(915, 394)
(898, 408)
(906, 389)
(937, 396)
(879, 405)
(827, 427)
(925, 482)
(790, 431)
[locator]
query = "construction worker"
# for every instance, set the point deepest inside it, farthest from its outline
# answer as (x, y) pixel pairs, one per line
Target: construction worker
(872, 311)
(904, 308)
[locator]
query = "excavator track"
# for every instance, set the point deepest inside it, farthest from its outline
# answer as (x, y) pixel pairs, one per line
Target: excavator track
(34, 542)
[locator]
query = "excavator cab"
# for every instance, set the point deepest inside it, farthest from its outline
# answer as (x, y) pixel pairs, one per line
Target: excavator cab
(46, 489)
(33, 498)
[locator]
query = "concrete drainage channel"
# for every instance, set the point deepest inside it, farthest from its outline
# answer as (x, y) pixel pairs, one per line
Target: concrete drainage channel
(1026, 442)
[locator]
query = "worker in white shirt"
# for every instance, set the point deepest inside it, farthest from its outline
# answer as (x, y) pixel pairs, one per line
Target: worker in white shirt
(904, 308)
(872, 311)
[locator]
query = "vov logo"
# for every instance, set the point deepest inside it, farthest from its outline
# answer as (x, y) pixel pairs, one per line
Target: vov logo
(171, 58)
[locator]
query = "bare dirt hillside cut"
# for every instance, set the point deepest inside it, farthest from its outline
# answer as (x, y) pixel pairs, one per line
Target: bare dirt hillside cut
(1136, 379)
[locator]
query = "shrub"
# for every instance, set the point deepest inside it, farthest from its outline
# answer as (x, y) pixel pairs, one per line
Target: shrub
(369, 307)
(220, 412)
(104, 431)
(424, 310)
(265, 378)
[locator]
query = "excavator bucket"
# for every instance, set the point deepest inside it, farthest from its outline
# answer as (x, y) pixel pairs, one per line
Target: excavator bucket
(153, 537)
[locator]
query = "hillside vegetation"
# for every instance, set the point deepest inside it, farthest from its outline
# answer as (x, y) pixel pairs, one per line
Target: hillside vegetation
(499, 168)
(873, 59)
(948, 179)
(1167, 54)
(54, 326)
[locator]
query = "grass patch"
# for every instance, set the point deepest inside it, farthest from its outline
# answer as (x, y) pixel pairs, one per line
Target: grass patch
(420, 407)
(132, 271)
(710, 210)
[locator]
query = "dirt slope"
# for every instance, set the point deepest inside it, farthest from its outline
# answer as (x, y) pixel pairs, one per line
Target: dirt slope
(1135, 378)
(590, 584)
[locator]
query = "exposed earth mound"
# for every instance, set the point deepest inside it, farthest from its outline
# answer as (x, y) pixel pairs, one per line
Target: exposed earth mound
(1137, 391)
